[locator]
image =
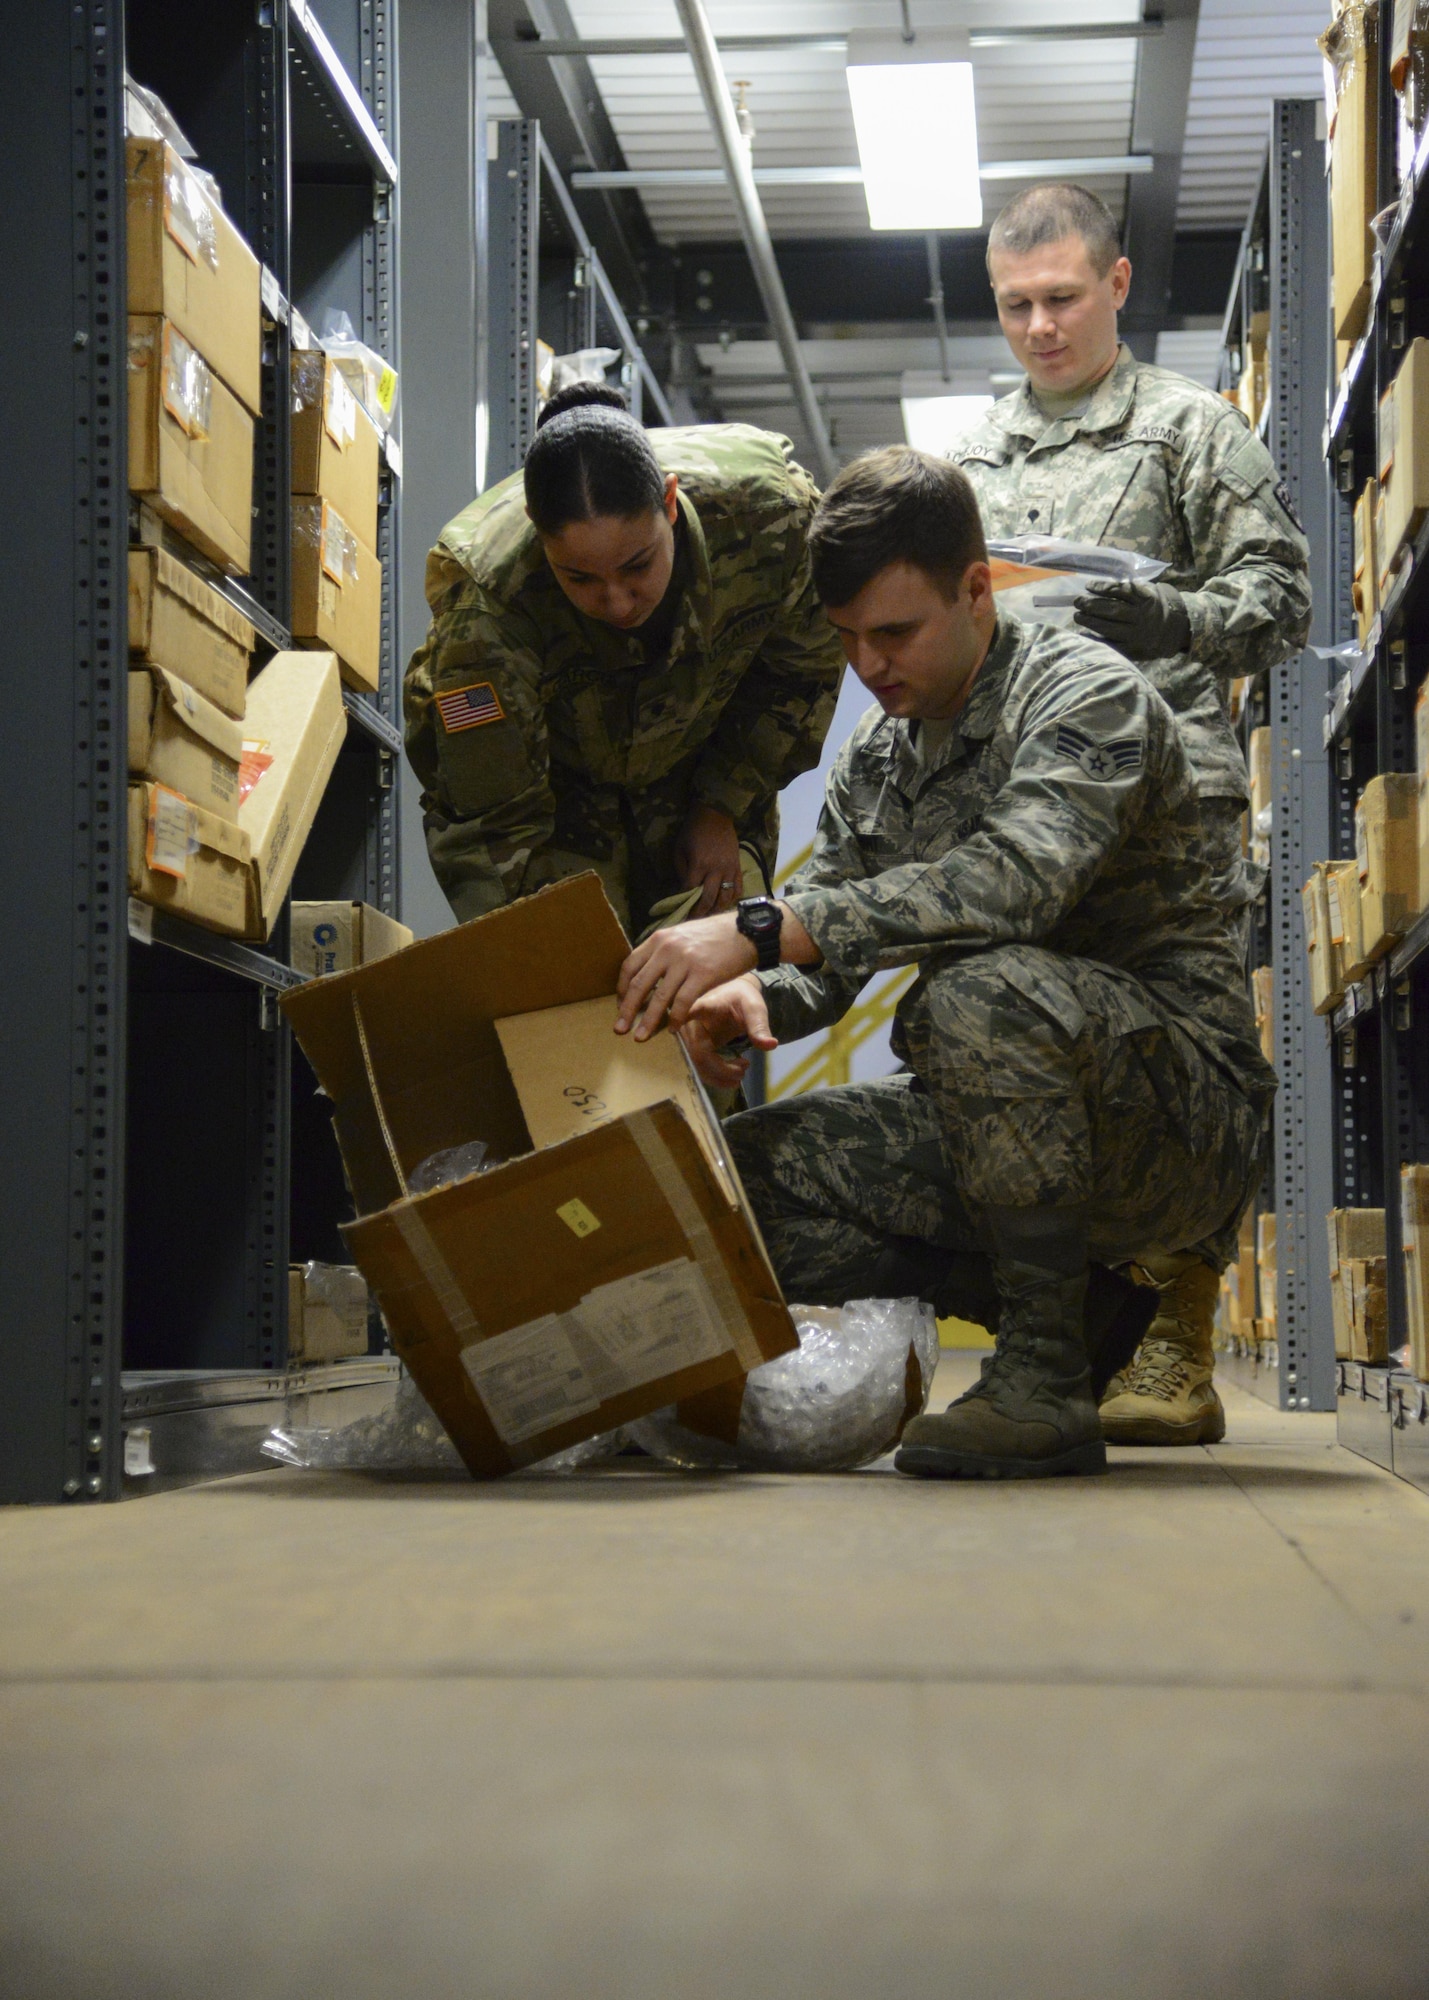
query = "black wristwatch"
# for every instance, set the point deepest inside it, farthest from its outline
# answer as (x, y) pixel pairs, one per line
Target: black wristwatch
(760, 919)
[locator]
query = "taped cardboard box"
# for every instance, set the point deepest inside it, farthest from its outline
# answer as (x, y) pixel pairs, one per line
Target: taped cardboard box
(336, 448)
(1414, 1225)
(337, 592)
(1366, 563)
(1263, 986)
(1342, 901)
(1351, 43)
(1403, 457)
(190, 444)
(183, 741)
(1339, 1305)
(1366, 1299)
(178, 621)
(1326, 992)
(334, 937)
(1421, 759)
(292, 735)
(1261, 781)
(188, 264)
(1267, 1268)
(575, 1285)
(1387, 853)
(327, 1312)
(1246, 1276)
(186, 860)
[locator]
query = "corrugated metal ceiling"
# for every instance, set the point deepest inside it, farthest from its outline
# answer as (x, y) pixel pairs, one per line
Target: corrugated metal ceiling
(1247, 52)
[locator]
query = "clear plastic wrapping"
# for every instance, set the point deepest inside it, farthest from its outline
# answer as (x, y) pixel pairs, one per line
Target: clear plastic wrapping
(318, 523)
(406, 1437)
(317, 384)
(371, 379)
(186, 384)
(1049, 599)
(840, 1400)
(451, 1163)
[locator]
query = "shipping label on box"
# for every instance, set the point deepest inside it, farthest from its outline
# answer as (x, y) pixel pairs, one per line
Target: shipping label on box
(189, 265)
(187, 860)
(571, 1287)
(334, 937)
(178, 621)
(337, 592)
(183, 741)
(336, 448)
(292, 735)
(190, 444)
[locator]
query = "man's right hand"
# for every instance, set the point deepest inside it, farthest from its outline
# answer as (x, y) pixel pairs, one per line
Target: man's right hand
(719, 1017)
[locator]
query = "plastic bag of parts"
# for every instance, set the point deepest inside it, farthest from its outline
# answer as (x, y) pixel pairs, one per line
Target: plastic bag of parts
(1048, 600)
(407, 1437)
(372, 380)
(452, 1163)
(840, 1400)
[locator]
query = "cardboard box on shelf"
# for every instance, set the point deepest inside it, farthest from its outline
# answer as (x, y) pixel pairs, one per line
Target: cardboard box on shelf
(1414, 1231)
(334, 937)
(1356, 1232)
(1352, 43)
(1266, 1268)
(190, 444)
(188, 264)
(337, 592)
(1342, 902)
(1261, 780)
(292, 734)
(178, 621)
(1366, 565)
(1246, 1275)
(1421, 763)
(327, 1312)
(1403, 457)
(572, 1286)
(336, 448)
(1339, 1305)
(1326, 991)
(1386, 850)
(1364, 1282)
(181, 740)
(186, 860)
(1263, 987)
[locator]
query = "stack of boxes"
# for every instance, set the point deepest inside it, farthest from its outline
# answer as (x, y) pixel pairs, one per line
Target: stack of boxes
(337, 579)
(1355, 911)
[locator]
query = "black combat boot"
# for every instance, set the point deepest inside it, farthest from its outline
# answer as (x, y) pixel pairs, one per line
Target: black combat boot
(959, 1284)
(1033, 1414)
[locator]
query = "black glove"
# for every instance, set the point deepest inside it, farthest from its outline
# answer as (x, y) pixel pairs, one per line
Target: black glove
(1144, 621)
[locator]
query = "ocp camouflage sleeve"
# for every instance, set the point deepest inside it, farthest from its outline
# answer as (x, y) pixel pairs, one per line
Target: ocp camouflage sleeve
(776, 721)
(1254, 607)
(1088, 745)
(476, 736)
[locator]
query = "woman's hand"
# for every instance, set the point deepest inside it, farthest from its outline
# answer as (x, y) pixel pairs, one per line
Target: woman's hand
(668, 973)
(707, 856)
(733, 1011)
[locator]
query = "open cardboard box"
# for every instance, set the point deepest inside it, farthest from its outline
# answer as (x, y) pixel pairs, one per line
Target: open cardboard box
(612, 1264)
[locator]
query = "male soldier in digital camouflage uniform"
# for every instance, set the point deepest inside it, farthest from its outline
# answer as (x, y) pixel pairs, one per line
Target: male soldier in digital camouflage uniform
(629, 692)
(1085, 1080)
(1099, 447)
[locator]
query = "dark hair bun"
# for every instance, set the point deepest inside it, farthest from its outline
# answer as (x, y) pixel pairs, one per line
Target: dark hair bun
(581, 396)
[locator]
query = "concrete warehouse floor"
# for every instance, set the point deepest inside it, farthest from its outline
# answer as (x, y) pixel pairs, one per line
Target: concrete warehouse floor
(645, 1737)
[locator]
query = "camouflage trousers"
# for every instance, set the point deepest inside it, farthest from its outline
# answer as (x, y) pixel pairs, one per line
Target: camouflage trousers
(1036, 1080)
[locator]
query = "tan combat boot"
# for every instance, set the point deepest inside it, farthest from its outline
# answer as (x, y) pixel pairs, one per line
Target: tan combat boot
(1167, 1396)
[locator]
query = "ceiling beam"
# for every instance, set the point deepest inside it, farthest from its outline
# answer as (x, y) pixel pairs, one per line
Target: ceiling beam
(1112, 165)
(1158, 129)
(833, 42)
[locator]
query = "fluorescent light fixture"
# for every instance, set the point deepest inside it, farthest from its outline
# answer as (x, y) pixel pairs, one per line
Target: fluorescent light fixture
(935, 423)
(916, 125)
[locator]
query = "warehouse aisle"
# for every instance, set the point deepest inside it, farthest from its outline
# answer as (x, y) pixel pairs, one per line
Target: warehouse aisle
(640, 1735)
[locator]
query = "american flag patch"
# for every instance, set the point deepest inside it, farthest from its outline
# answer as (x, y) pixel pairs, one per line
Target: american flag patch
(469, 707)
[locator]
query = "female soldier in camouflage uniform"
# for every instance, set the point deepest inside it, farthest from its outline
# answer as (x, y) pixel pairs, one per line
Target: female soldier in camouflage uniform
(626, 664)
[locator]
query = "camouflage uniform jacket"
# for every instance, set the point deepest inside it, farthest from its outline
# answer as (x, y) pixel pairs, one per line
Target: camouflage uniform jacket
(1059, 813)
(1161, 466)
(547, 743)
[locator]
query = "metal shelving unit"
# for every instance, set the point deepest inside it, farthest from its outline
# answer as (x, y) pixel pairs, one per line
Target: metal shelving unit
(1282, 270)
(154, 1141)
(1378, 1034)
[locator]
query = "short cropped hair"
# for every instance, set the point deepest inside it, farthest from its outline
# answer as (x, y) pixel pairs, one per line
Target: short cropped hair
(1050, 212)
(895, 505)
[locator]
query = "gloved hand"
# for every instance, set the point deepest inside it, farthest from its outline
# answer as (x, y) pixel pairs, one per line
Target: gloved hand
(1144, 621)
